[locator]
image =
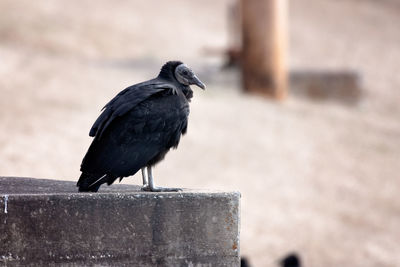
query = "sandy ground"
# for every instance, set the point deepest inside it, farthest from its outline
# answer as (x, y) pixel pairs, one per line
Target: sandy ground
(321, 179)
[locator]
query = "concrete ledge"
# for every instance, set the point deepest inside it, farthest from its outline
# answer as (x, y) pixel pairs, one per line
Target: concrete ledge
(46, 222)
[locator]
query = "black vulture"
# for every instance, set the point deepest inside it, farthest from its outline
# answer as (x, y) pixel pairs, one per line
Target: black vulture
(291, 260)
(138, 127)
(244, 262)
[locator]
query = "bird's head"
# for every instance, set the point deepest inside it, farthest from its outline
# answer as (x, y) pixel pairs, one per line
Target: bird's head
(181, 73)
(186, 76)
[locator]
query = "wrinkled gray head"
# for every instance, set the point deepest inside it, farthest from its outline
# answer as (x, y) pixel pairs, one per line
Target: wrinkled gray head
(187, 77)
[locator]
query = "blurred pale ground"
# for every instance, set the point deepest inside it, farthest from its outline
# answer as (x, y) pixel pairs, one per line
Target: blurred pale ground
(321, 179)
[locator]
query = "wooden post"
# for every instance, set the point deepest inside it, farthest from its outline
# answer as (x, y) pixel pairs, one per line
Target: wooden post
(264, 47)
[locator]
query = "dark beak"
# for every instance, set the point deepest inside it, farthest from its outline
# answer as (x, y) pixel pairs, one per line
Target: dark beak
(197, 82)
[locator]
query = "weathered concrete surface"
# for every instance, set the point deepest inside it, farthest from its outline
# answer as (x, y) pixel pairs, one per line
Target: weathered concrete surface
(46, 222)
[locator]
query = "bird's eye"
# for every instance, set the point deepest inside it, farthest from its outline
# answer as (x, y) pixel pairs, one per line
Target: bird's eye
(185, 72)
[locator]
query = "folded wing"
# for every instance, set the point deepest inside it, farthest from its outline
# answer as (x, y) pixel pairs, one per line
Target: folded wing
(125, 101)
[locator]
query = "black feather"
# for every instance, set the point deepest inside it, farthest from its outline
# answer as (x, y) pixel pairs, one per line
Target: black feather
(126, 100)
(136, 129)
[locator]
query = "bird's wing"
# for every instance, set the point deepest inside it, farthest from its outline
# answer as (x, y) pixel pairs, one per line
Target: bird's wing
(151, 128)
(125, 101)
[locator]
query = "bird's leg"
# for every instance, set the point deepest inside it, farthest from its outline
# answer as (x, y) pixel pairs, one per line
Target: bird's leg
(151, 187)
(144, 176)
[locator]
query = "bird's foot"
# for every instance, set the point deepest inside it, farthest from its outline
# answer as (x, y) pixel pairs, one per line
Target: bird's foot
(147, 188)
(166, 189)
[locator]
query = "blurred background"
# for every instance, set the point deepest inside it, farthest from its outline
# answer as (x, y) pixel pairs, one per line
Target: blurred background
(318, 176)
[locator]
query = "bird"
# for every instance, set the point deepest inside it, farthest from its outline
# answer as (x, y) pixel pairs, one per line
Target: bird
(244, 262)
(137, 128)
(291, 260)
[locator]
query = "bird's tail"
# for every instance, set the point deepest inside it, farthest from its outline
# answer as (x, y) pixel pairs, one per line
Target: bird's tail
(90, 182)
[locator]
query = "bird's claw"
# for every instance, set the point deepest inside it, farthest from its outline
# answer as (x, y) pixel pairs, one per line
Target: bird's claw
(147, 188)
(167, 189)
